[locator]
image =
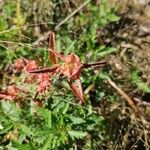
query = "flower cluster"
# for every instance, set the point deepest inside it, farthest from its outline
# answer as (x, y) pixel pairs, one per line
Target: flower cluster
(66, 65)
(43, 80)
(31, 65)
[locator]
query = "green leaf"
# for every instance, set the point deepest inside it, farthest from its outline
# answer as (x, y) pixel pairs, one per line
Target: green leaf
(65, 108)
(90, 110)
(47, 143)
(11, 110)
(113, 17)
(142, 86)
(3, 24)
(46, 114)
(105, 51)
(25, 129)
(139, 83)
(22, 146)
(62, 107)
(76, 120)
(63, 137)
(7, 128)
(77, 134)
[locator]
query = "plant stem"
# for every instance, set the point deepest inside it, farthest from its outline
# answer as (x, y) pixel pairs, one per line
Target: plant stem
(96, 64)
(18, 11)
(72, 14)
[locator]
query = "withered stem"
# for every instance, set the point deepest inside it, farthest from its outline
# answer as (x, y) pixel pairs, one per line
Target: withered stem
(94, 64)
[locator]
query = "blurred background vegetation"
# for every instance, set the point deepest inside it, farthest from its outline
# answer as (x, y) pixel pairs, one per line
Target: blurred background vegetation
(104, 30)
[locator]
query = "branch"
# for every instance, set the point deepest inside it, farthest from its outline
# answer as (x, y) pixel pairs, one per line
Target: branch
(124, 95)
(95, 64)
(140, 102)
(45, 70)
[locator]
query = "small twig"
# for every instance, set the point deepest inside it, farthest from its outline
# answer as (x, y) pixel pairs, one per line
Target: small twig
(140, 102)
(52, 56)
(72, 14)
(124, 95)
(9, 30)
(94, 64)
(45, 70)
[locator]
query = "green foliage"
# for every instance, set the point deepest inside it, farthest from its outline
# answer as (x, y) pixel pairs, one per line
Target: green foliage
(11, 110)
(88, 24)
(138, 82)
(77, 134)
(46, 127)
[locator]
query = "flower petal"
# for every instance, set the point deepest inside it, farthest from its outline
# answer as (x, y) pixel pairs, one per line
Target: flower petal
(76, 88)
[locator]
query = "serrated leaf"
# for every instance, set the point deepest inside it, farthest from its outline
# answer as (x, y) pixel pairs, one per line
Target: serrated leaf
(47, 143)
(23, 146)
(90, 110)
(76, 120)
(11, 110)
(7, 128)
(77, 134)
(139, 83)
(65, 108)
(46, 114)
(25, 129)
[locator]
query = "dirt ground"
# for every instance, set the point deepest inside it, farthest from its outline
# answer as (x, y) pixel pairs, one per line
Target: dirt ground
(133, 36)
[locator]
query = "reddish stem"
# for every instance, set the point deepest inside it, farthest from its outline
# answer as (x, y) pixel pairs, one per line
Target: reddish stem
(45, 70)
(53, 69)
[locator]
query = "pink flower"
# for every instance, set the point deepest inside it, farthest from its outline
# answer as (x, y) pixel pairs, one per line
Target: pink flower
(31, 65)
(43, 81)
(19, 64)
(27, 65)
(70, 68)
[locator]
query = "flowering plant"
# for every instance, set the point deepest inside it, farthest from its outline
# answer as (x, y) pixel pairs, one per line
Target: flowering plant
(68, 66)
